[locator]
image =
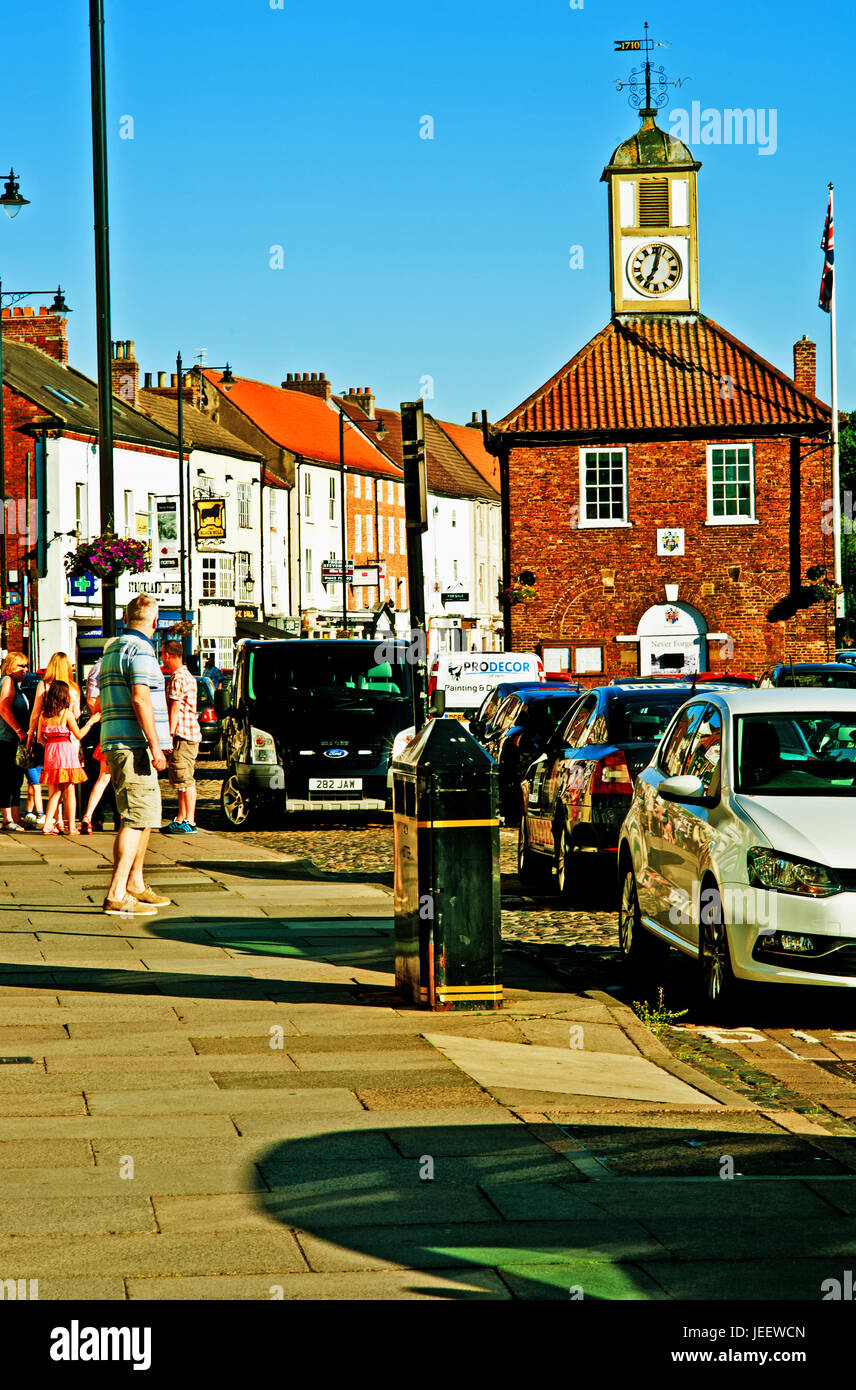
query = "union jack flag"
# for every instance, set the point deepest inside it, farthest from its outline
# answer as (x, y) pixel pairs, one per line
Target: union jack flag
(826, 245)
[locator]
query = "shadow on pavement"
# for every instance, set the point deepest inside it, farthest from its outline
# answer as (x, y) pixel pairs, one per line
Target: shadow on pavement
(297, 868)
(479, 1203)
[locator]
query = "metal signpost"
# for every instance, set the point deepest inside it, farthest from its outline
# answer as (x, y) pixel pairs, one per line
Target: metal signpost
(416, 514)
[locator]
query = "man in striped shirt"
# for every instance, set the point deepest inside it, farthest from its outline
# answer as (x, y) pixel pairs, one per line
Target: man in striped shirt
(134, 739)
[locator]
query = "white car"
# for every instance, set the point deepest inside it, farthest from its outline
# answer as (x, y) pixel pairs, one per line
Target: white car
(739, 847)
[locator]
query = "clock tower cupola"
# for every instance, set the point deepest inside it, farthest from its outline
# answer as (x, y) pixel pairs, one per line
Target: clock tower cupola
(653, 220)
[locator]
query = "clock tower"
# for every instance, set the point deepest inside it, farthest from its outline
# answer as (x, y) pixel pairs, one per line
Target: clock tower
(653, 220)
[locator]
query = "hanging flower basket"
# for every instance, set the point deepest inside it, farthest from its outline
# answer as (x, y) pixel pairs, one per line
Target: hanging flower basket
(182, 629)
(9, 615)
(826, 591)
(107, 557)
(520, 593)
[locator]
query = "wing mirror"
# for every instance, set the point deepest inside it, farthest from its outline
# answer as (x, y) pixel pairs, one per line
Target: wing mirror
(682, 789)
(438, 705)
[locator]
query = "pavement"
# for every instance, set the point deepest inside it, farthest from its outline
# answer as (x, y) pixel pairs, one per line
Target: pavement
(229, 1100)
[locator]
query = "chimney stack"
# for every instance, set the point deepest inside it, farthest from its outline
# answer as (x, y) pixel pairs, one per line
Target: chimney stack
(125, 372)
(44, 330)
(362, 398)
(805, 366)
(314, 385)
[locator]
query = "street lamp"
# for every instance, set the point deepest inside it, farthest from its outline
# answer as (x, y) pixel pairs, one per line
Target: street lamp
(11, 200)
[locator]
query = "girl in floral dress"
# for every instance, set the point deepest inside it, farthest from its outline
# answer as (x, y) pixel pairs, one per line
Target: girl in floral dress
(57, 730)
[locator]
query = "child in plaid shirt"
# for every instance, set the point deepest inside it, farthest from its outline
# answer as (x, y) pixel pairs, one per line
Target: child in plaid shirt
(186, 737)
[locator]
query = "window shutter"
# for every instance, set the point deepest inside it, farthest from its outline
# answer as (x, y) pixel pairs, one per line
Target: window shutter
(654, 203)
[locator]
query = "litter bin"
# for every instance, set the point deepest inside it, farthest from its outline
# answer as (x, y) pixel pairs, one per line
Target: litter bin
(445, 801)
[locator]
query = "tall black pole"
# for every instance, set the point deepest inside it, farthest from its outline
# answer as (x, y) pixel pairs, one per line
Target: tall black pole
(413, 458)
(343, 519)
(3, 558)
(102, 300)
(181, 529)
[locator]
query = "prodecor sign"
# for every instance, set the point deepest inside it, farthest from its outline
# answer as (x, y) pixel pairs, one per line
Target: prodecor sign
(210, 519)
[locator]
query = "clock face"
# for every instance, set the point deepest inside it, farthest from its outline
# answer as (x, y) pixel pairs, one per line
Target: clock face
(654, 268)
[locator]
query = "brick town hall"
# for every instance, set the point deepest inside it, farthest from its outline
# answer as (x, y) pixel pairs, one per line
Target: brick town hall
(666, 487)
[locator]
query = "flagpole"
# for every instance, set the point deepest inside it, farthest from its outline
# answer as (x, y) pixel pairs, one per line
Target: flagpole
(836, 483)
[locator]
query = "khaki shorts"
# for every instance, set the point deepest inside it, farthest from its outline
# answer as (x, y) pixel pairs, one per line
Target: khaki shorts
(135, 784)
(181, 763)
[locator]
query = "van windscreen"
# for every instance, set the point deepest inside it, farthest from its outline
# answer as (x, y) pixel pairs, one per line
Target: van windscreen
(327, 674)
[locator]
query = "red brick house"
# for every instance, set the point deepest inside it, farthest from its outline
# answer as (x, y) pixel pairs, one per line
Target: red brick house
(667, 487)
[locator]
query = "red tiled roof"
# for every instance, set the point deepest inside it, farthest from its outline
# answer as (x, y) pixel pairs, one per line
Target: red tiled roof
(302, 423)
(664, 372)
(470, 441)
(450, 472)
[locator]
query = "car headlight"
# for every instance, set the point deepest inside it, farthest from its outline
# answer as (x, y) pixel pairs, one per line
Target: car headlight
(785, 874)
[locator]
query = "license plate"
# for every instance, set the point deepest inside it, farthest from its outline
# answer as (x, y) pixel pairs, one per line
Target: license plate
(335, 784)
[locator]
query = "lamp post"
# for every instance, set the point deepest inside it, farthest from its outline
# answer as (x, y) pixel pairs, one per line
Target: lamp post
(106, 491)
(11, 203)
(58, 306)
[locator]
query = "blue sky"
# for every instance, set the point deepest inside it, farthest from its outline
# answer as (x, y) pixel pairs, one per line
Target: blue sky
(407, 258)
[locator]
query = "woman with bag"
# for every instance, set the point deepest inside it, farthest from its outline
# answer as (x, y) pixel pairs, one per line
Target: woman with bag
(14, 712)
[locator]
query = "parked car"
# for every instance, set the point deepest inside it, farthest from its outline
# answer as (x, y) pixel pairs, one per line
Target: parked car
(810, 673)
(578, 791)
(847, 655)
(484, 719)
(743, 678)
(310, 726)
(209, 719)
(738, 848)
(523, 725)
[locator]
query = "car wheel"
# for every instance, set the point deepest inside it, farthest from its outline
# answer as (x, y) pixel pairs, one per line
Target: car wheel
(717, 980)
(238, 809)
(531, 867)
(642, 953)
(566, 865)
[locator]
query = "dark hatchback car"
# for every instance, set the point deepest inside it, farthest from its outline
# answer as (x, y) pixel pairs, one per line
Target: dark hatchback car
(310, 726)
(823, 674)
(482, 722)
(577, 793)
(522, 726)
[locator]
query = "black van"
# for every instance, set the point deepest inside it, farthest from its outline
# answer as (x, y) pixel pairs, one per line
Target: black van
(310, 724)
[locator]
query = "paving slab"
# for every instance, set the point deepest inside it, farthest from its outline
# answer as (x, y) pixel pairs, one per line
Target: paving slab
(77, 1215)
(478, 1245)
(149, 1179)
(564, 1071)
(214, 1101)
(145, 1255)
(381, 1285)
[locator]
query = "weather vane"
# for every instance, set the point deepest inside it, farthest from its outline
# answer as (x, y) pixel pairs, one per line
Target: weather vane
(648, 86)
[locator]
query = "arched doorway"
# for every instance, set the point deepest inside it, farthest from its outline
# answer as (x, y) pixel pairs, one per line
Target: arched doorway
(672, 640)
